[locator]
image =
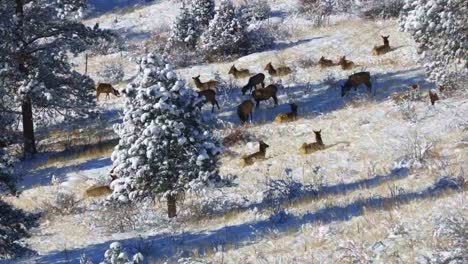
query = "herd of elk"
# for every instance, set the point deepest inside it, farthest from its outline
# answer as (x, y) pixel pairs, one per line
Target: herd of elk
(107, 89)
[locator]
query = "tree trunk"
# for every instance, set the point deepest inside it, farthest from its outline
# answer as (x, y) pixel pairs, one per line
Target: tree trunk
(29, 145)
(171, 206)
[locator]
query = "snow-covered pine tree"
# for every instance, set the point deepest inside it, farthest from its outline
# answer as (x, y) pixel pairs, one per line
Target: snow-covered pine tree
(184, 32)
(165, 147)
(226, 34)
(36, 38)
(203, 12)
(440, 30)
(7, 181)
(117, 255)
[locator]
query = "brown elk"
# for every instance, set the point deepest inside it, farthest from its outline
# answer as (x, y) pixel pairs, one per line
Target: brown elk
(433, 96)
(210, 96)
(379, 50)
(245, 111)
(253, 82)
(280, 71)
(107, 89)
(355, 80)
(346, 64)
(259, 155)
(97, 191)
(325, 63)
(211, 84)
(287, 117)
(313, 147)
(265, 94)
(238, 74)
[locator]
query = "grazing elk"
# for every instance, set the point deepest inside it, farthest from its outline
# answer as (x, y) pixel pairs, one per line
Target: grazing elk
(355, 80)
(238, 74)
(107, 89)
(287, 117)
(280, 71)
(433, 96)
(325, 63)
(211, 84)
(265, 94)
(313, 147)
(379, 50)
(346, 64)
(210, 96)
(259, 155)
(253, 82)
(245, 111)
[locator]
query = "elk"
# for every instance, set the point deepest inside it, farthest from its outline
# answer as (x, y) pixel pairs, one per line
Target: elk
(97, 191)
(107, 89)
(433, 96)
(259, 155)
(325, 63)
(211, 84)
(253, 82)
(245, 111)
(346, 64)
(238, 74)
(379, 50)
(287, 117)
(280, 71)
(265, 94)
(210, 96)
(355, 80)
(313, 147)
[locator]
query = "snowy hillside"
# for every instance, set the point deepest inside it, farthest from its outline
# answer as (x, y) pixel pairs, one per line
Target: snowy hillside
(387, 186)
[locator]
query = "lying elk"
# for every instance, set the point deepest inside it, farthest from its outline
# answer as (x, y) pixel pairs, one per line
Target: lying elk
(210, 96)
(211, 84)
(281, 71)
(238, 74)
(107, 89)
(265, 94)
(325, 62)
(253, 82)
(259, 155)
(355, 80)
(379, 50)
(97, 191)
(346, 64)
(313, 147)
(287, 117)
(245, 111)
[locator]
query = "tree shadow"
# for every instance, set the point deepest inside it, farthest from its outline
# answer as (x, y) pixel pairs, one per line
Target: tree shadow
(185, 243)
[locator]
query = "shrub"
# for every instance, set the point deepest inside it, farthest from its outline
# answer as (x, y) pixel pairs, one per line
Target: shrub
(112, 73)
(255, 10)
(318, 10)
(381, 8)
(63, 203)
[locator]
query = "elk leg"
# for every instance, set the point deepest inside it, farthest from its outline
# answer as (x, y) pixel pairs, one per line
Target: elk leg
(258, 103)
(217, 105)
(275, 99)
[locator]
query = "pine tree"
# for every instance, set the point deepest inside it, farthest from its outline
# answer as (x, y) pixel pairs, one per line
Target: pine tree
(165, 147)
(440, 30)
(225, 34)
(117, 255)
(203, 12)
(184, 32)
(36, 38)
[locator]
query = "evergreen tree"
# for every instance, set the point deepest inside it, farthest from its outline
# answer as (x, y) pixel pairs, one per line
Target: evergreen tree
(440, 30)
(117, 255)
(226, 35)
(36, 38)
(165, 147)
(184, 33)
(203, 12)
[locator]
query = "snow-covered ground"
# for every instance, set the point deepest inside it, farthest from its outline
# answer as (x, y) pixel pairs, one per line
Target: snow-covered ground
(375, 192)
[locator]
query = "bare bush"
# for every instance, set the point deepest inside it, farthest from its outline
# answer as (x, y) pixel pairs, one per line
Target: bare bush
(63, 203)
(381, 8)
(317, 10)
(307, 62)
(418, 150)
(235, 136)
(112, 73)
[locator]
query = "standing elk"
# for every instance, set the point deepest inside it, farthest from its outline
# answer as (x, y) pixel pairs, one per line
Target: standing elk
(280, 71)
(325, 62)
(433, 96)
(107, 89)
(211, 84)
(259, 155)
(346, 64)
(379, 50)
(210, 96)
(287, 117)
(313, 147)
(265, 94)
(355, 80)
(238, 74)
(253, 82)
(245, 111)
